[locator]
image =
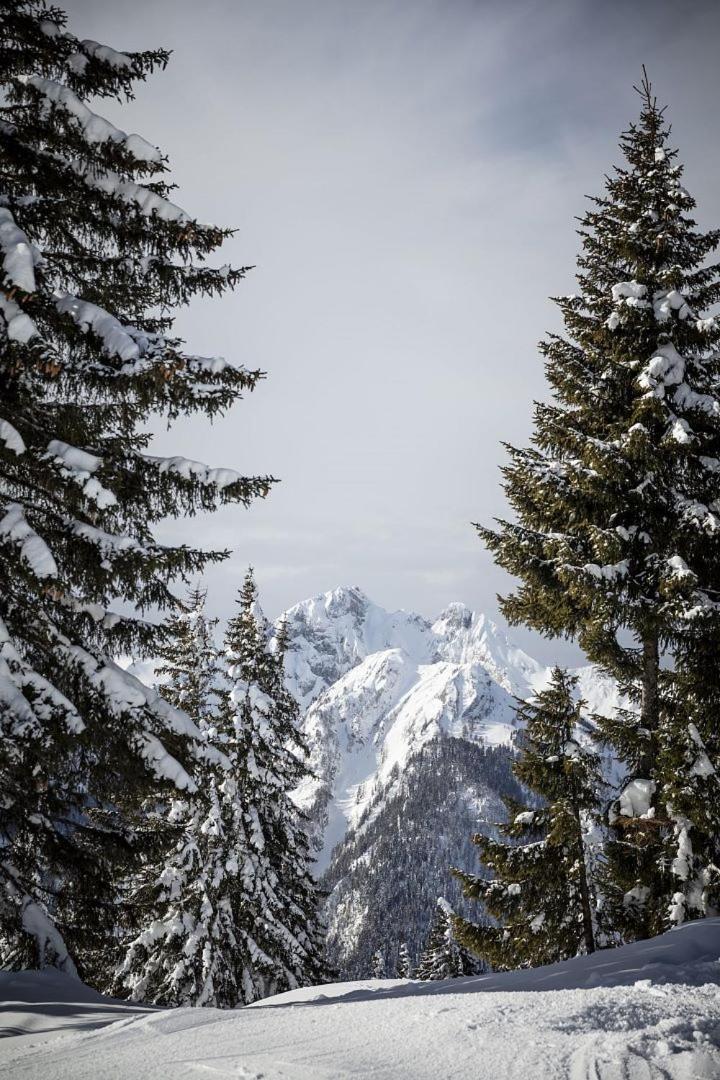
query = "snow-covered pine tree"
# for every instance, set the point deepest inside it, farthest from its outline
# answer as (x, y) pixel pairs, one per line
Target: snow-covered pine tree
(189, 950)
(378, 965)
(445, 957)
(233, 914)
(188, 666)
(403, 968)
(189, 846)
(541, 894)
(282, 938)
(94, 258)
(616, 539)
(283, 933)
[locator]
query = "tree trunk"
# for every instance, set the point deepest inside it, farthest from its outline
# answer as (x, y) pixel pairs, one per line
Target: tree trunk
(649, 703)
(587, 919)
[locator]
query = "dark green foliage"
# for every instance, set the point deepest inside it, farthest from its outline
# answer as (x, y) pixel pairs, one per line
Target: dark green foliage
(541, 892)
(188, 950)
(444, 957)
(689, 761)
(616, 537)
(672, 842)
(94, 259)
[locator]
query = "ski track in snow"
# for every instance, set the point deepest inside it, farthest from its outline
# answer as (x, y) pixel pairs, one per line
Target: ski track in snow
(649, 1011)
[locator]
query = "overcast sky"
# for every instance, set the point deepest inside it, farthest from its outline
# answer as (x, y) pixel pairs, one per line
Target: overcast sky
(403, 174)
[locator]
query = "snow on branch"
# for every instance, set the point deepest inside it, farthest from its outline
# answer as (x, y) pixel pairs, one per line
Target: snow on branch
(686, 398)
(164, 765)
(142, 198)
(187, 469)
(95, 129)
(73, 458)
(666, 367)
(34, 550)
(20, 257)
(125, 694)
(678, 568)
(680, 431)
(138, 350)
(78, 61)
(631, 292)
(696, 513)
(13, 703)
(15, 676)
(664, 303)
(110, 544)
(634, 800)
(702, 765)
(210, 365)
(51, 948)
(18, 326)
(79, 466)
(11, 437)
(610, 572)
(125, 342)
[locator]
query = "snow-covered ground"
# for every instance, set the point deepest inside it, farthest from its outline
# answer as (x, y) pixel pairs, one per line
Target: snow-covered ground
(649, 1011)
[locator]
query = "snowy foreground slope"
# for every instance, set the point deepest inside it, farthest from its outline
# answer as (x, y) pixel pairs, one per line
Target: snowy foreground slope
(649, 1011)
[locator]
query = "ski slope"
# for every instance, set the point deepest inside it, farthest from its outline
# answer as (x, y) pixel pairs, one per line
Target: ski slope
(648, 1011)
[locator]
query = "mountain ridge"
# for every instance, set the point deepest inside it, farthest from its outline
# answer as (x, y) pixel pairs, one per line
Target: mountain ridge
(377, 685)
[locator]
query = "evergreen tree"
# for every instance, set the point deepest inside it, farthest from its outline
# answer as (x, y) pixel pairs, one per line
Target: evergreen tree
(188, 666)
(231, 916)
(183, 891)
(378, 965)
(445, 957)
(616, 538)
(190, 950)
(540, 893)
(404, 966)
(95, 256)
(282, 935)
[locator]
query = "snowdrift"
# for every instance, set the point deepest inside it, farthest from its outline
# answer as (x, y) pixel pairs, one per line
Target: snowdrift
(649, 1010)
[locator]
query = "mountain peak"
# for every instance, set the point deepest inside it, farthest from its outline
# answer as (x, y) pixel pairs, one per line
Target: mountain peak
(346, 599)
(456, 615)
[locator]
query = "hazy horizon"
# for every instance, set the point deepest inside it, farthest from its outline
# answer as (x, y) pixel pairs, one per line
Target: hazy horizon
(404, 177)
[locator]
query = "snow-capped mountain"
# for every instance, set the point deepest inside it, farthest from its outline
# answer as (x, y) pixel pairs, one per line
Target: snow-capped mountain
(378, 685)
(410, 726)
(332, 633)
